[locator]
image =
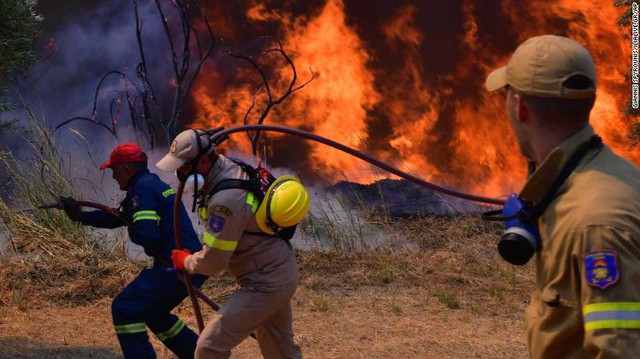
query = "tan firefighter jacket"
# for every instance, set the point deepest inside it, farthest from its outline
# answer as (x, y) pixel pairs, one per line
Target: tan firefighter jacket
(233, 240)
(586, 303)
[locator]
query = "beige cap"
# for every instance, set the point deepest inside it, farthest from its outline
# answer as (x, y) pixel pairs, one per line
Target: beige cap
(183, 149)
(541, 65)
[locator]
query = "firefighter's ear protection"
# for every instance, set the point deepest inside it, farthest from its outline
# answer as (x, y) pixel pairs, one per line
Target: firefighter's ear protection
(195, 181)
(521, 238)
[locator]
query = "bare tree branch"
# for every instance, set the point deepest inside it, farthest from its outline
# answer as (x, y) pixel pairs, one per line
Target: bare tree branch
(94, 111)
(203, 56)
(271, 102)
(185, 71)
(190, 47)
(245, 121)
(184, 74)
(165, 25)
(85, 119)
(141, 71)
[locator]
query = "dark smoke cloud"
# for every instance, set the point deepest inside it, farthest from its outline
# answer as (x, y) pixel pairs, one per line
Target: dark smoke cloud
(90, 39)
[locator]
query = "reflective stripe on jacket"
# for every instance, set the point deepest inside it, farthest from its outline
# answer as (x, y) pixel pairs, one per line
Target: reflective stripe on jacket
(149, 207)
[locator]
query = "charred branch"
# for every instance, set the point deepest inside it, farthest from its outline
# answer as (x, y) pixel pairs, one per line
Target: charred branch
(143, 104)
(149, 93)
(94, 112)
(184, 72)
(64, 123)
(271, 98)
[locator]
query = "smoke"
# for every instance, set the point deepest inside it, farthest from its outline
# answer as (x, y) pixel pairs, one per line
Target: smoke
(401, 80)
(82, 42)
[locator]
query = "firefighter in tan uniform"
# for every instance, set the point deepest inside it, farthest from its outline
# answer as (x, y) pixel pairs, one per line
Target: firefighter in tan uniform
(579, 210)
(264, 265)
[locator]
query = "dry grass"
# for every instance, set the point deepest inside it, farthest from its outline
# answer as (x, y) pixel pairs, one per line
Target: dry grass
(49, 258)
(449, 296)
(458, 300)
(457, 263)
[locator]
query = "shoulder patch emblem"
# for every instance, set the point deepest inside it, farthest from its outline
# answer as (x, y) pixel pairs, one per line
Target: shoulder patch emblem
(221, 209)
(601, 268)
(135, 202)
(215, 223)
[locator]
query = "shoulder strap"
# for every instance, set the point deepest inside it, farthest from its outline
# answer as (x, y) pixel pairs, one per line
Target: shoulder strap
(250, 171)
(250, 185)
(536, 211)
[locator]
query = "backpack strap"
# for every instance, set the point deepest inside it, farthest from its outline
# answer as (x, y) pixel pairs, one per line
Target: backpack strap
(250, 171)
(250, 185)
(253, 185)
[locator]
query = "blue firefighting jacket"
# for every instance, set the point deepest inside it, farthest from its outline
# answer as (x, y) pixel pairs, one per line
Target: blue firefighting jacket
(148, 205)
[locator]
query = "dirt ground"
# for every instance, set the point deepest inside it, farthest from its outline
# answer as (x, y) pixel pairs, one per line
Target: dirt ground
(364, 323)
(453, 298)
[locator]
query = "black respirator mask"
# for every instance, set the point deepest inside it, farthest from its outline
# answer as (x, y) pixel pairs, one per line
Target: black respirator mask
(521, 238)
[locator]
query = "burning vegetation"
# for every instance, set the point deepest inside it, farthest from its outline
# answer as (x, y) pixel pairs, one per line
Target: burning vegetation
(405, 83)
(402, 81)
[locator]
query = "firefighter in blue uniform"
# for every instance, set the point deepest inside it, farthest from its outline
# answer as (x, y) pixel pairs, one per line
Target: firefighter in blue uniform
(148, 300)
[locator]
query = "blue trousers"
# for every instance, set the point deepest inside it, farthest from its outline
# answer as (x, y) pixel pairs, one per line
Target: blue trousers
(147, 302)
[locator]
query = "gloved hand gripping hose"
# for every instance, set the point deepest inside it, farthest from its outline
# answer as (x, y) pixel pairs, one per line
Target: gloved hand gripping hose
(185, 278)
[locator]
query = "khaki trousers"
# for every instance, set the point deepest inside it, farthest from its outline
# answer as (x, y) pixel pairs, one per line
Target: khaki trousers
(268, 311)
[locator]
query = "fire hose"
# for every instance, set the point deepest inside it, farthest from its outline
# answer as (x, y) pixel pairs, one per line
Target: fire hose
(219, 136)
(185, 278)
(178, 237)
(113, 212)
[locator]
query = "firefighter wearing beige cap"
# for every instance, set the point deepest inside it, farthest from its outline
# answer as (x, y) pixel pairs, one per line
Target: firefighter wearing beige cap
(263, 264)
(581, 208)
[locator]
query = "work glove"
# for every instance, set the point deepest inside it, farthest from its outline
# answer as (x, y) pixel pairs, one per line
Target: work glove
(71, 207)
(178, 256)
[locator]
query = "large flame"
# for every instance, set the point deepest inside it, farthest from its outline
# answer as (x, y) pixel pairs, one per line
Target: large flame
(404, 83)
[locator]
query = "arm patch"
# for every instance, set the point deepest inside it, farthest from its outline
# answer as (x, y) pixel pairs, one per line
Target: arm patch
(216, 223)
(601, 268)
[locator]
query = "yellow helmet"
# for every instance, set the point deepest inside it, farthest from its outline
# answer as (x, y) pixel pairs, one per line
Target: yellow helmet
(284, 205)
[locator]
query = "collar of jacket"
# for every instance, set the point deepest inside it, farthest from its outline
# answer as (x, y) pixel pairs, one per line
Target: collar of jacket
(136, 177)
(540, 181)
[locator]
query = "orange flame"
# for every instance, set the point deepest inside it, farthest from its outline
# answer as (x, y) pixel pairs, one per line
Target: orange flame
(440, 125)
